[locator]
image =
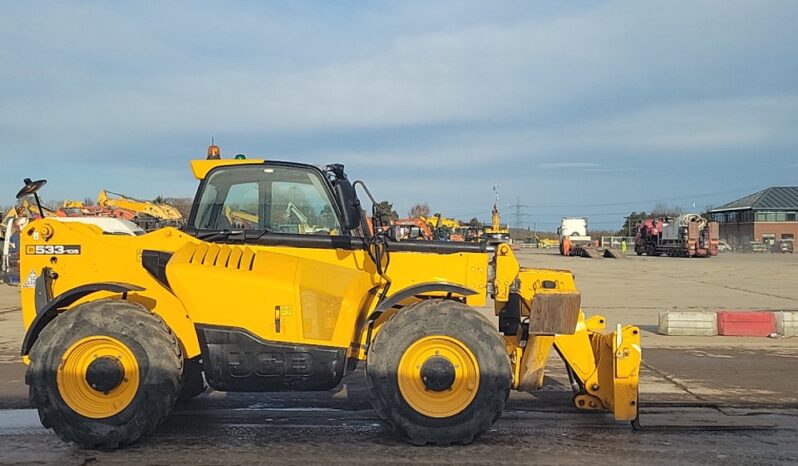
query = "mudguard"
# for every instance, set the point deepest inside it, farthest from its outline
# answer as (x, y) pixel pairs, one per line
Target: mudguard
(50, 310)
(415, 290)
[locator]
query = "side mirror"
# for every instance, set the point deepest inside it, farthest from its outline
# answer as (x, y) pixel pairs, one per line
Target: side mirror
(348, 202)
(31, 187)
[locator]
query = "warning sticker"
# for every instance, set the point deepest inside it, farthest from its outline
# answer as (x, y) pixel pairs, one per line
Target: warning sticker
(30, 282)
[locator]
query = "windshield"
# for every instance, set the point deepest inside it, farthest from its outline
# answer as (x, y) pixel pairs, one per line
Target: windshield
(266, 198)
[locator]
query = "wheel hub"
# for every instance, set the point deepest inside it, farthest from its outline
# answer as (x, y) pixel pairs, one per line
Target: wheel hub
(438, 376)
(104, 374)
(98, 376)
(437, 373)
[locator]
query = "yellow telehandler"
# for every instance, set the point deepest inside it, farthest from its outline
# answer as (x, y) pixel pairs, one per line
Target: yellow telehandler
(119, 327)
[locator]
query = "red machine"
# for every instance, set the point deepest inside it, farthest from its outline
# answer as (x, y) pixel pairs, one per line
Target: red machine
(411, 228)
(688, 235)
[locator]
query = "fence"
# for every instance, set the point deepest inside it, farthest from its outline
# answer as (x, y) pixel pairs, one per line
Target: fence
(615, 241)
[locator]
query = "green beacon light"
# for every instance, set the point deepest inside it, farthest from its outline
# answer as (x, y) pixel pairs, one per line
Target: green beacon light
(241, 157)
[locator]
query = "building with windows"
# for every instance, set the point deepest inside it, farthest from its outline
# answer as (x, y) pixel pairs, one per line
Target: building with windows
(769, 216)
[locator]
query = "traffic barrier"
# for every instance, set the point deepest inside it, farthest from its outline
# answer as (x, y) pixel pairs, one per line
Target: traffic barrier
(680, 323)
(746, 323)
(787, 323)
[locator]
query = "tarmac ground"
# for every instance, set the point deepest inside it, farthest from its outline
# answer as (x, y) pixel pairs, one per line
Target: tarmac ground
(704, 400)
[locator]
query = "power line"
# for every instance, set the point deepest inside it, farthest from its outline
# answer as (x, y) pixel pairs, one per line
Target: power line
(518, 213)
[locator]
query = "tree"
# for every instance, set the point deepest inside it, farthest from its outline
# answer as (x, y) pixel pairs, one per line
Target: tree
(474, 222)
(629, 227)
(420, 210)
(664, 210)
(385, 213)
(182, 204)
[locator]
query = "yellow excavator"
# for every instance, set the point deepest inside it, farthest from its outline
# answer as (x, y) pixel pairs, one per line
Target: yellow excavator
(442, 228)
(496, 232)
(147, 214)
(292, 220)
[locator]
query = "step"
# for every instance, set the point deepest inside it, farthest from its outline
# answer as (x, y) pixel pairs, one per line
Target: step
(746, 323)
(688, 323)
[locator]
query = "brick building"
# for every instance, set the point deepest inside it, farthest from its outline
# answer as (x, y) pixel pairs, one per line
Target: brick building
(769, 216)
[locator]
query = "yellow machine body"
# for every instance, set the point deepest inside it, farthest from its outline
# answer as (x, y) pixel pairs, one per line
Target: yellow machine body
(326, 300)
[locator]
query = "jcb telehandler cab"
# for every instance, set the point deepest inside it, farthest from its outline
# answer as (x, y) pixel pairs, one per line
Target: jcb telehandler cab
(119, 327)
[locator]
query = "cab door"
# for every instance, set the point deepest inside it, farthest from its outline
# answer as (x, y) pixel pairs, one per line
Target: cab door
(279, 296)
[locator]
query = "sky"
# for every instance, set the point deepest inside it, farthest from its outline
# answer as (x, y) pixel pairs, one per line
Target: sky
(583, 108)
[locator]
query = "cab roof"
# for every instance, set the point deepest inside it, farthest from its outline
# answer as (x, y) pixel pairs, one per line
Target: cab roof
(202, 167)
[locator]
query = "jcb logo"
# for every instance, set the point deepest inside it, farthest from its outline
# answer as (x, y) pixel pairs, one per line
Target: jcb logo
(52, 250)
(270, 364)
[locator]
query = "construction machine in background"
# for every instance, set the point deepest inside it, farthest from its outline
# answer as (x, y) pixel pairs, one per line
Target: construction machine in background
(469, 233)
(444, 229)
(415, 228)
(241, 218)
(149, 215)
(496, 233)
(436, 227)
(548, 243)
(118, 327)
(688, 235)
(26, 212)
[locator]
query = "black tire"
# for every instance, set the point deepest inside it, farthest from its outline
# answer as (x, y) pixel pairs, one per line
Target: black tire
(451, 319)
(157, 354)
(192, 380)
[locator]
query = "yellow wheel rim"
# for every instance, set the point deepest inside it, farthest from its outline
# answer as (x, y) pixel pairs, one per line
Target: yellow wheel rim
(76, 390)
(438, 402)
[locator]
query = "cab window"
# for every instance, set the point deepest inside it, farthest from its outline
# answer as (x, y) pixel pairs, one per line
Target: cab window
(268, 198)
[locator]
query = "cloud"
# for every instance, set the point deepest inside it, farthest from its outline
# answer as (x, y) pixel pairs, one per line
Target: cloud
(436, 96)
(472, 72)
(566, 165)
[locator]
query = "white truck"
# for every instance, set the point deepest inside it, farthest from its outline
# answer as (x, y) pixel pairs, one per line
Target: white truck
(575, 229)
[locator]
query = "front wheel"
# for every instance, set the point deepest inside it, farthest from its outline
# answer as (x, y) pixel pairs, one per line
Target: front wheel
(105, 373)
(438, 372)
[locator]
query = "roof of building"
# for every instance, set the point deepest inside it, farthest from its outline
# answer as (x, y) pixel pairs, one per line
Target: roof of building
(783, 198)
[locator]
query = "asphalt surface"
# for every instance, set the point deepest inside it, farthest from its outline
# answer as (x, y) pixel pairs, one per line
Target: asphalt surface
(707, 411)
(704, 400)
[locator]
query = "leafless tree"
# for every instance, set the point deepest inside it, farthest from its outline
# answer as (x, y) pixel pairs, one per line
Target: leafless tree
(420, 210)
(662, 209)
(182, 204)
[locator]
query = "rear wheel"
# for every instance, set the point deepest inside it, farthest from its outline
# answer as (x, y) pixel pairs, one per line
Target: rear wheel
(105, 373)
(438, 372)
